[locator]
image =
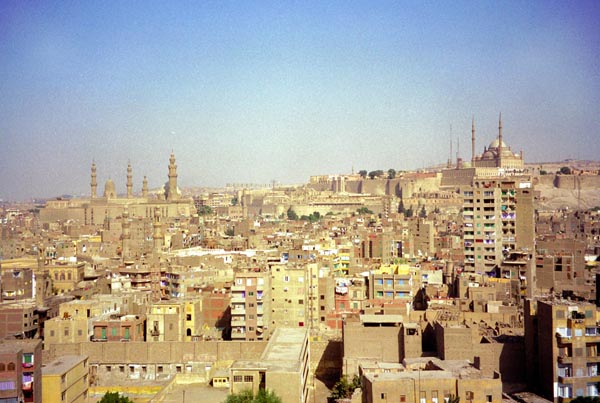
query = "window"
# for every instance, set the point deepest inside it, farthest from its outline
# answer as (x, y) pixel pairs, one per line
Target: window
(11, 366)
(66, 332)
(132, 369)
(488, 398)
(248, 378)
(423, 397)
(108, 368)
(159, 369)
(63, 379)
(2, 367)
(188, 317)
(79, 332)
(51, 333)
(402, 398)
(178, 369)
(114, 331)
(237, 378)
(384, 395)
(121, 368)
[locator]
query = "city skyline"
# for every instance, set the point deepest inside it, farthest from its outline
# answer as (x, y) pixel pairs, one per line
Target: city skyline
(265, 91)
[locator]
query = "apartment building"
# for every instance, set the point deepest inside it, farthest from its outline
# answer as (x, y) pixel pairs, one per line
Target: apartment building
(251, 305)
(563, 348)
(66, 379)
(283, 368)
(18, 319)
(292, 289)
(21, 371)
(428, 380)
(497, 217)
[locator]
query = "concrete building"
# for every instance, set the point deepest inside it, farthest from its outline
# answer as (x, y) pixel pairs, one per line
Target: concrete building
(21, 371)
(392, 282)
(289, 295)
(428, 380)
(119, 328)
(283, 368)
(498, 216)
(66, 379)
(166, 321)
(563, 348)
(251, 305)
(18, 319)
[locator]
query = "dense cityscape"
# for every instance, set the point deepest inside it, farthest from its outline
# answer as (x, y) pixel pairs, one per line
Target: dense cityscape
(463, 281)
(299, 201)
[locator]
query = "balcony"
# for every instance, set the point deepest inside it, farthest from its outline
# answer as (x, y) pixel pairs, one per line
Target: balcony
(238, 299)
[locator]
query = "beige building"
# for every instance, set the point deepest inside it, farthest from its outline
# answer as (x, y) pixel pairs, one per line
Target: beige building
(290, 285)
(165, 322)
(498, 216)
(283, 368)
(428, 380)
(250, 306)
(65, 380)
(562, 345)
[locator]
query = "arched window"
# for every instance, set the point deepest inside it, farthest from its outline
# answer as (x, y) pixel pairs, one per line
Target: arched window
(2, 367)
(56, 276)
(189, 332)
(62, 275)
(11, 366)
(69, 275)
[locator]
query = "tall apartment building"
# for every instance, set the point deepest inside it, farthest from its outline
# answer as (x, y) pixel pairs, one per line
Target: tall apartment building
(290, 303)
(563, 348)
(498, 216)
(250, 305)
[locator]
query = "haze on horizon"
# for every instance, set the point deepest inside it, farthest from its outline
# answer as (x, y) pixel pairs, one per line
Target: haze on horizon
(255, 91)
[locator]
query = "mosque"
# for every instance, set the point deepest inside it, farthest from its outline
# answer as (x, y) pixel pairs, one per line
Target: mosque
(96, 209)
(497, 159)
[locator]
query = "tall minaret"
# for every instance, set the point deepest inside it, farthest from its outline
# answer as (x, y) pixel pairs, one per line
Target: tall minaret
(157, 236)
(93, 183)
(129, 182)
(473, 142)
(172, 188)
(500, 140)
(126, 234)
(145, 187)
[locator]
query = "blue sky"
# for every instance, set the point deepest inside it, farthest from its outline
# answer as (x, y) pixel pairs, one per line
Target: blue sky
(256, 91)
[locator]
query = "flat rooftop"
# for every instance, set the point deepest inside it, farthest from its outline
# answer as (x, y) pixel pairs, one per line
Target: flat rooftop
(283, 352)
(62, 364)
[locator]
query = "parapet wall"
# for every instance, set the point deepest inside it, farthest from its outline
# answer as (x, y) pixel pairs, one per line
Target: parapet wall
(161, 352)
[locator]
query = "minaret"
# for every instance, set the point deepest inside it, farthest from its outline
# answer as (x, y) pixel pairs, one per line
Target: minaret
(93, 183)
(473, 142)
(449, 164)
(157, 237)
(145, 187)
(500, 141)
(172, 188)
(129, 182)
(126, 234)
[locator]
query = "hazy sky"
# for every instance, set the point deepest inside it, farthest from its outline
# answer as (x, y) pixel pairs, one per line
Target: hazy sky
(254, 91)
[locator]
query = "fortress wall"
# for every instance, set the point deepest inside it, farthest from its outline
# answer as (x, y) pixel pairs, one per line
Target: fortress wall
(574, 181)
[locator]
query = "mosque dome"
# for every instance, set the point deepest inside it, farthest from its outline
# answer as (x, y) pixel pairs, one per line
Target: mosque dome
(496, 143)
(110, 189)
